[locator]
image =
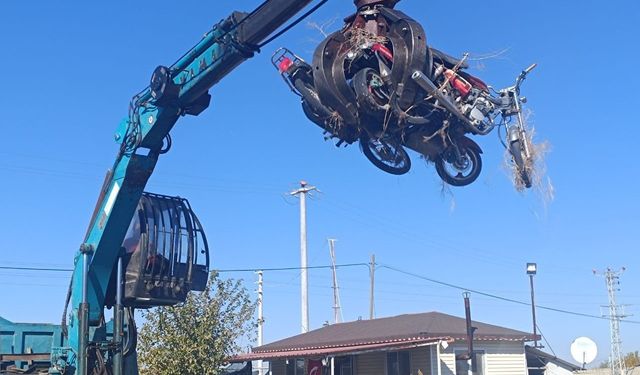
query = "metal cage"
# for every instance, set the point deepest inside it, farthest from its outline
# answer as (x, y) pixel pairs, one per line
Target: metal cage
(166, 253)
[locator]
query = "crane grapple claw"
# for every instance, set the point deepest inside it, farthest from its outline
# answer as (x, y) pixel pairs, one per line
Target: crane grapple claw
(166, 254)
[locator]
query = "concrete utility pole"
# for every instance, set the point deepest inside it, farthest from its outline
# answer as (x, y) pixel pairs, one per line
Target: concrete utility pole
(260, 321)
(372, 274)
(304, 279)
(616, 361)
(337, 308)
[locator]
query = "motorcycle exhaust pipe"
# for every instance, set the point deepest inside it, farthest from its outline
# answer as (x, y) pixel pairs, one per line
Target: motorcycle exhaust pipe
(425, 83)
(312, 98)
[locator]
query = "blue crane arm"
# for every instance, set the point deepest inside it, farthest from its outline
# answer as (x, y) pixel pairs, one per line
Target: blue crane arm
(181, 89)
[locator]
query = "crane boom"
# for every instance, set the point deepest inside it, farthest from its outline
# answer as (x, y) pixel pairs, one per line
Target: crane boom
(178, 90)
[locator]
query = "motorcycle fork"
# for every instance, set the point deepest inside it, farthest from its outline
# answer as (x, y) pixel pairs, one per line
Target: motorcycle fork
(522, 132)
(452, 153)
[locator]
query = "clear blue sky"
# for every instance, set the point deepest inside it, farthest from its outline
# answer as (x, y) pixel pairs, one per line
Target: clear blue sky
(70, 69)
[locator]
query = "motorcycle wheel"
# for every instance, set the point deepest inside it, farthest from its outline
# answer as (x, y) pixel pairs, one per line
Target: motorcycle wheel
(516, 152)
(371, 93)
(461, 172)
(386, 154)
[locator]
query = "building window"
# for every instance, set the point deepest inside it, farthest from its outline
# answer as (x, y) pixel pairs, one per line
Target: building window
(295, 367)
(477, 367)
(343, 366)
(398, 363)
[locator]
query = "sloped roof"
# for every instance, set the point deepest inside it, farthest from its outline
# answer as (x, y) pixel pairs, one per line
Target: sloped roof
(335, 350)
(402, 328)
(538, 358)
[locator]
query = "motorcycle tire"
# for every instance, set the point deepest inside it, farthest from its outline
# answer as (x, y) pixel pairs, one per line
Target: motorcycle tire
(473, 168)
(516, 152)
(386, 154)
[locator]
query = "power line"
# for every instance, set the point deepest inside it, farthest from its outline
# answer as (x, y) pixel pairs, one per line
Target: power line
(545, 340)
(15, 268)
(502, 298)
(12, 268)
(490, 295)
(219, 185)
(294, 268)
(368, 217)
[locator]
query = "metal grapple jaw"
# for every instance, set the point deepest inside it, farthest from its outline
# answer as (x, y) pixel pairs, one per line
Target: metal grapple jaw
(165, 253)
(363, 3)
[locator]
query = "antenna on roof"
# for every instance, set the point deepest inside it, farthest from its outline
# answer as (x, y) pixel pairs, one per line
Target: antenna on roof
(337, 307)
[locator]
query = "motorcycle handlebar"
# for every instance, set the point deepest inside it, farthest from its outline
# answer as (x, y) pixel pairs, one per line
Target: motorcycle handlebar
(523, 75)
(496, 101)
(530, 68)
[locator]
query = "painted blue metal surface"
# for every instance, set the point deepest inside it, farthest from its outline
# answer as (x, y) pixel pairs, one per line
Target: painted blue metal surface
(28, 338)
(141, 137)
(22, 338)
(132, 169)
(35, 338)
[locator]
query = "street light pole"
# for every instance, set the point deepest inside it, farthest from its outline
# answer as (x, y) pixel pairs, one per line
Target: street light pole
(532, 269)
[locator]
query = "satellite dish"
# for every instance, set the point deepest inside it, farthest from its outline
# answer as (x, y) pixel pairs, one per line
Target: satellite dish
(584, 350)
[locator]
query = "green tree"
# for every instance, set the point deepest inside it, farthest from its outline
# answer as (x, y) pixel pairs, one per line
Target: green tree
(196, 337)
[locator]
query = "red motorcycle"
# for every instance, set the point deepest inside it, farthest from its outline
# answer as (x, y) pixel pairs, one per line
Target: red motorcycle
(387, 90)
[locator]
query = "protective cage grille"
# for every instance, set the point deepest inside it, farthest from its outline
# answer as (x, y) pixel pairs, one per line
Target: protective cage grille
(166, 252)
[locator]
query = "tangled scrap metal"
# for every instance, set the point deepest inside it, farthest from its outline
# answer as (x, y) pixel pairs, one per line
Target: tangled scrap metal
(376, 81)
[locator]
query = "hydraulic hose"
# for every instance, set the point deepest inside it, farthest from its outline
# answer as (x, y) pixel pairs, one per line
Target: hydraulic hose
(63, 323)
(132, 333)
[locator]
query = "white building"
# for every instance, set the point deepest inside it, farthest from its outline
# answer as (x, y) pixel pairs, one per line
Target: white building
(429, 343)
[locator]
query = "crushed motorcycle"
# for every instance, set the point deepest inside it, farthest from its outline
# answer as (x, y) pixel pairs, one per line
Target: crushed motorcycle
(386, 89)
